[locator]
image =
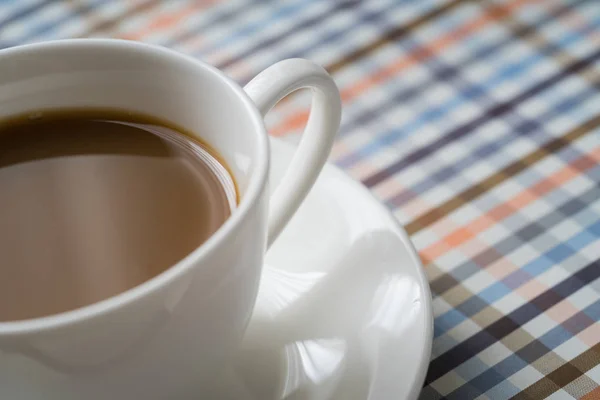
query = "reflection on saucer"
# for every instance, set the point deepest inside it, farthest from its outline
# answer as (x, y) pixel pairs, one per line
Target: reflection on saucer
(280, 288)
(319, 362)
(305, 320)
(391, 308)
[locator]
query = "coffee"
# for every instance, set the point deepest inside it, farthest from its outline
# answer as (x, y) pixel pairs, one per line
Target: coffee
(95, 202)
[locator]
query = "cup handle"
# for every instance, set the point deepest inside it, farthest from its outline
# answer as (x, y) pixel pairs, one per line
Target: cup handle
(266, 89)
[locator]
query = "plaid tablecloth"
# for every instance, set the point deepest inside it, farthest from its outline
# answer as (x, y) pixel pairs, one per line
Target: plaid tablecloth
(476, 122)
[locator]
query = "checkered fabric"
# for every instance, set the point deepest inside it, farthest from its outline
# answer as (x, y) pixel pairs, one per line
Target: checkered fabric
(476, 122)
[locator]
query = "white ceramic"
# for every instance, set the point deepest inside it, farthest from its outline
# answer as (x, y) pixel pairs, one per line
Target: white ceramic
(166, 337)
(344, 309)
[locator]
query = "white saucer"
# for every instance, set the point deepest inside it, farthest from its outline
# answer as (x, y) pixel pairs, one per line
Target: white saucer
(344, 309)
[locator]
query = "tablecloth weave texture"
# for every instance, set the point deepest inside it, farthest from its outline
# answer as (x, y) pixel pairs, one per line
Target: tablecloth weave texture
(476, 122)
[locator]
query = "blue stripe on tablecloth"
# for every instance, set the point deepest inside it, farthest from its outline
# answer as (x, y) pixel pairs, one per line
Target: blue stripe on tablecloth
(444, 74)
(525, 129)
(469, 93)
(249, 29)
(528, 354)
(524, 230)
(505, 247)
(24, 13)
(497, 111)
(50, 26)
(316, 42)
(218, 17)
(507, 324)
(545, 261)
(305, 24)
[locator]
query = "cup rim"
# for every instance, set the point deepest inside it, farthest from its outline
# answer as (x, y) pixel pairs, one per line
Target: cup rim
(254, 190)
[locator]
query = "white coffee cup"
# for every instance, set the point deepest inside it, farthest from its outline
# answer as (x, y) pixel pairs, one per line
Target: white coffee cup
(166, 337)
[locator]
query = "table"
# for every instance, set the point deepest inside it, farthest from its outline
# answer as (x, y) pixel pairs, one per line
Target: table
(476, 122)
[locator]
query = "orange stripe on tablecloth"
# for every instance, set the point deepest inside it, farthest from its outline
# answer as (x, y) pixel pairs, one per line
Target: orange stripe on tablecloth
(501, 211)
(167, 20)
(492, 14)
(593, 395)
